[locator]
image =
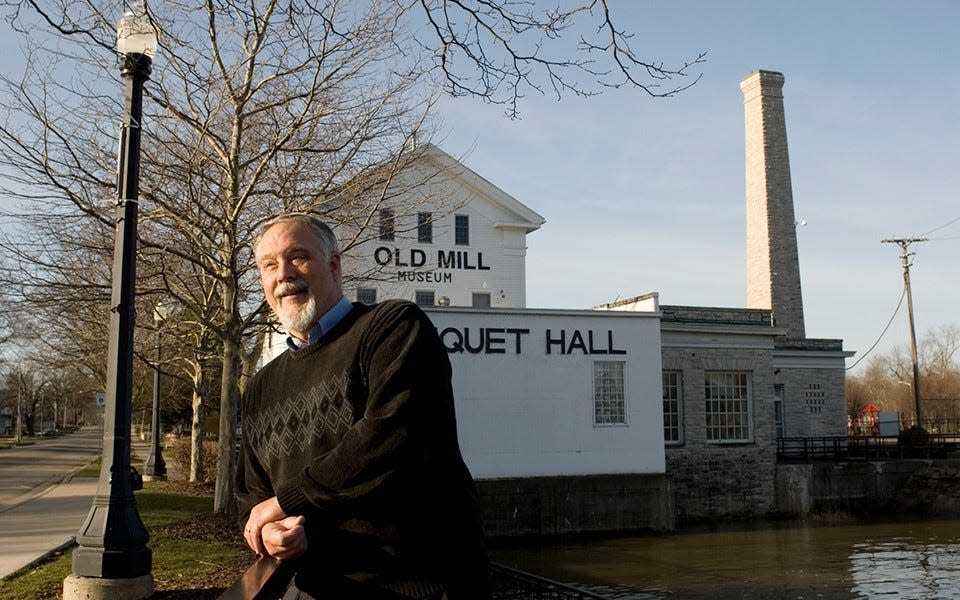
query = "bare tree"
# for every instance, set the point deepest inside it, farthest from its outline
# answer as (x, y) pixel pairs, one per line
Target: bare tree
(887, 380)
(940, 352)
(497, 50)
(940, 359)
(253, 109)
(254, 113)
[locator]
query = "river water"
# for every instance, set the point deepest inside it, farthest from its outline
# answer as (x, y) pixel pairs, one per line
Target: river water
(916, 560)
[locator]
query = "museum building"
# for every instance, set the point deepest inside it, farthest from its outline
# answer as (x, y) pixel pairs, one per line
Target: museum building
(629, 415)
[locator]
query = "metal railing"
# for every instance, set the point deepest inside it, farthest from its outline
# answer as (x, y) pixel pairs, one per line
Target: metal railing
(510, 583)
(840, 448)
(268, 577)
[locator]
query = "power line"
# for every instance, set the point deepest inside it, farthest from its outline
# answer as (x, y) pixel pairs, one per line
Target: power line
(903, 293)
(947, 224)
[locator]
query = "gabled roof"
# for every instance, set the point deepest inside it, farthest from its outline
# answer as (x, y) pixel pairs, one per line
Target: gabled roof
(515, 214)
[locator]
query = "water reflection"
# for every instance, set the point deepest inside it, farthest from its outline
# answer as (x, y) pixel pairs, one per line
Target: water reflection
(919, 560)
(908, 568)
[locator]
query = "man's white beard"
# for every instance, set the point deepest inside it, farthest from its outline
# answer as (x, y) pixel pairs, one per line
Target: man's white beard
(300, 320)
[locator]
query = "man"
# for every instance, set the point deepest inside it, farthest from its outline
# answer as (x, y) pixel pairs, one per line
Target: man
(350, 466)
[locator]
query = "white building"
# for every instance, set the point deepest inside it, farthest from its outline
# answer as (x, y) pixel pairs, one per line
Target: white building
(555, 392)
(448, 234)
(559, 417)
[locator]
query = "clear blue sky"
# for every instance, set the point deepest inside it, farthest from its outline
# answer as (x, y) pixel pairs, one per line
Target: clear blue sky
(644, 195)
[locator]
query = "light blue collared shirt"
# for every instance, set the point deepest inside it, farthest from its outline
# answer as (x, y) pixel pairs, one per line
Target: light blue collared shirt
(327, 322)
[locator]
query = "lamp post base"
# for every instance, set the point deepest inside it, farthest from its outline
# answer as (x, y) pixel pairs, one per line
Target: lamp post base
(155, 468)
(96, 588)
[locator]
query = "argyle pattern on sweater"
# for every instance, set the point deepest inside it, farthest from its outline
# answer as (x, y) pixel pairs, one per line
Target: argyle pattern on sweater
(288, 428)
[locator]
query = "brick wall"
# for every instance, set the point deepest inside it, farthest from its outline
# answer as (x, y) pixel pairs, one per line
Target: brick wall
(773, 266)
(814, 402)
(711, 479)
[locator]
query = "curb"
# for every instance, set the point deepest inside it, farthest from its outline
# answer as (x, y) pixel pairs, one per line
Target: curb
(45, 487)
(46, 556)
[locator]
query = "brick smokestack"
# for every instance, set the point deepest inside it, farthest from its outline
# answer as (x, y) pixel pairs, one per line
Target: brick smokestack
(773, 266)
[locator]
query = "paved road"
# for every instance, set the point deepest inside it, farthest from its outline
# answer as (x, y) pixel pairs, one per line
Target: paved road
(27, 471)
(41, 506)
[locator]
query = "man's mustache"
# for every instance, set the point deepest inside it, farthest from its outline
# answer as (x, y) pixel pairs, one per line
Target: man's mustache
(288, 288)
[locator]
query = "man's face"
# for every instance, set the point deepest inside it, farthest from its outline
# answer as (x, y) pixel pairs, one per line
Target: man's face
(299, 282)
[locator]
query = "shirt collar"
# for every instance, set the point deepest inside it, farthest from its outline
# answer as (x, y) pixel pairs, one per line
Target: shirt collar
(327, 321)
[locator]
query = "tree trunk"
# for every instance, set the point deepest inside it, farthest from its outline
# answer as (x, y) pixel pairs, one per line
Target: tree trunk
(223, 499)
(196, 437)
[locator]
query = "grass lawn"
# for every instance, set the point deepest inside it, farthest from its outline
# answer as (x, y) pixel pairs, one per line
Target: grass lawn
(196, 554)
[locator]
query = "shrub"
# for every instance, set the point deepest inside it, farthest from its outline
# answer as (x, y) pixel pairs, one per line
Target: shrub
(914, 435)
(178, 457)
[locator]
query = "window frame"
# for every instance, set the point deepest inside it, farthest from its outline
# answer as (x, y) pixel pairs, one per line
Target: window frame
(603, 405)
(779, 417)
(361, 292)
(721, 413)
(675, 398)
(417, 297)
(461, 230)
(388, 225)
(424, 228)
(475, 295)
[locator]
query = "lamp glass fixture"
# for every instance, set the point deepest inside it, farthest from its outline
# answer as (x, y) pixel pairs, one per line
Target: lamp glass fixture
(136, 35)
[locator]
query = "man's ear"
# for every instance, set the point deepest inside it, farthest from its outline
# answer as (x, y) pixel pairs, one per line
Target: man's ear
(335, 268)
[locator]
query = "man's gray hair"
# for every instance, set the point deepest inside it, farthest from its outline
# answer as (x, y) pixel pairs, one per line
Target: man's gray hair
(328, 240)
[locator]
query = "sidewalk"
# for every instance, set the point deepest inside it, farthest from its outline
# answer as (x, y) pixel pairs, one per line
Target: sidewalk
(139, 452)
(44, 524)
(48, 522)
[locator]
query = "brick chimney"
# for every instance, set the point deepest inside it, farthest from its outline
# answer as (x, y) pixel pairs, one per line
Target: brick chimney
(773, 266)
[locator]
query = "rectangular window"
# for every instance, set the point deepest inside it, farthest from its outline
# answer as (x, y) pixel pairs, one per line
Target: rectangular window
(672, 414)
(424, 298)
(728, 410)
(461, 230)
(778, 410)
(367, 295)
(425, 228)
(386, 225)
(481, 300)
(609, 400)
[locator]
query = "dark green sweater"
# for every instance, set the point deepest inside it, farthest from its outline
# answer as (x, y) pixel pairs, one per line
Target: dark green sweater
(357, 433)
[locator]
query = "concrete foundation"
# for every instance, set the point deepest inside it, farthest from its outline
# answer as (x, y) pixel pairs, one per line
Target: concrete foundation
(844, 486)
(544, 506)
(96, 588)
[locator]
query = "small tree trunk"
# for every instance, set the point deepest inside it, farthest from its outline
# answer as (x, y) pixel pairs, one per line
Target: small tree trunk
(196, 438)
(223, 498)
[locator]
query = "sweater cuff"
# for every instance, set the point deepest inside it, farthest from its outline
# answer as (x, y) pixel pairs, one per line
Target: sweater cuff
(292, 500)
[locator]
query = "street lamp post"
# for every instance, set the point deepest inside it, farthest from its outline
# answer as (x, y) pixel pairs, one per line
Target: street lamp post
(19, 408)
(154, 469)
(112, 559)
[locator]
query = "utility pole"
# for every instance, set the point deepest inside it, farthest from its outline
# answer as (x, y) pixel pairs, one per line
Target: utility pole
(905, 255)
